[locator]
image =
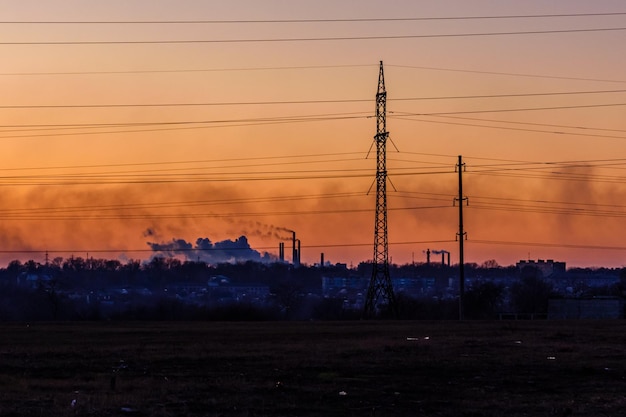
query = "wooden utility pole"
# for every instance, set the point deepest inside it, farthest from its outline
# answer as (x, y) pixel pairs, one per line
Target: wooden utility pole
(461, 236)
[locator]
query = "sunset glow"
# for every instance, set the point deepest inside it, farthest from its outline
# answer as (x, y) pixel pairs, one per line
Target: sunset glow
(129, 123)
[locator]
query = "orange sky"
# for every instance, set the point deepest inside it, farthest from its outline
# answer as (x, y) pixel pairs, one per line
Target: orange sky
(73, 186)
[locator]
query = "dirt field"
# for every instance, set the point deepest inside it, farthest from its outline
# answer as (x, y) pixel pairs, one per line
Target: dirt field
(506, 368)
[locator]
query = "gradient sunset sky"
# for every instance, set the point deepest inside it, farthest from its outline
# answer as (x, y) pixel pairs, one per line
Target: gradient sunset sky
(128, 122)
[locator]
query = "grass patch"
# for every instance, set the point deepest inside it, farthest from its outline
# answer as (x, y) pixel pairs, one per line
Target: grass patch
(311, 368)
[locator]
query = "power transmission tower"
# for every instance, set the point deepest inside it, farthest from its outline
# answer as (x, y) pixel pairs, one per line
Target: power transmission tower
(380, 290)
(461, 236)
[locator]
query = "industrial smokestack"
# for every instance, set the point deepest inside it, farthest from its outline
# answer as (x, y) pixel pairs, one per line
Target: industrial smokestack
(443, 253)
(297, 263)
(281, 251)
(294, 253)
(322, 260)
(427, 256)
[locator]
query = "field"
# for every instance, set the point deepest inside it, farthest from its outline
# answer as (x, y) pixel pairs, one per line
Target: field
(500, 368)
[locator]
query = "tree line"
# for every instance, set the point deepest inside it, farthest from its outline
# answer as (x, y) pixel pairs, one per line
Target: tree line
(73, 288)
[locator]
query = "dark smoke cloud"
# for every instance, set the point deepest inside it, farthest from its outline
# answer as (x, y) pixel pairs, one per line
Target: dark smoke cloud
(231, 251)
(265, 231)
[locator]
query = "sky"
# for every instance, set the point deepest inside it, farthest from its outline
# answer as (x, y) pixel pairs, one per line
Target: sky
(129, 125)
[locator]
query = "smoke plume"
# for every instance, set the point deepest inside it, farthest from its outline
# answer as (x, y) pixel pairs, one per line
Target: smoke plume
(225, 251)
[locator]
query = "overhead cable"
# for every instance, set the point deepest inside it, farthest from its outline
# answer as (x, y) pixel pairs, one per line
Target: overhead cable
(320, 20)
(319, 39)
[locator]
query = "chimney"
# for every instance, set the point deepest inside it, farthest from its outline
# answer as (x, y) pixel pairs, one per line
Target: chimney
(322, 260)
(297, 263)
(294, 253)
(427, 256)
(281, 251)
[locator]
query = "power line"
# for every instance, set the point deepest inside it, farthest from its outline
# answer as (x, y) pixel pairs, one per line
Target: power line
(283, 68)
(521, 166)
(429, 163)
(320, 39)
(175, 204)
(209, 171)
(196, 249)
(291, 102)
(314, 117)
(581, 106)
(533, 124)
(176, 172)
(561, 211)
(438, 155)
(232, 69)
(213, 215)
(179, 128)
(483, 96)
(299, 159)
(553, 132)
(512, 74)
(561, 164)
(327, 245)
(164, 174)
(539, 206)
(173, 179)
(514, 162)
(55, 210)
(176, 125)
(223, 103)
(515, 165)
(558, 177)
(332, 20)
(549, 245)
(563, 203)
(202, 161)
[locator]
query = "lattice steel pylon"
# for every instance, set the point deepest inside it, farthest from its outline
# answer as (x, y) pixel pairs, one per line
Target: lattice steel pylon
(380, 291)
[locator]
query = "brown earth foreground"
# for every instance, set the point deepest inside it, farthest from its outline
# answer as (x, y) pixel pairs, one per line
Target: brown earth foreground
(500, 368)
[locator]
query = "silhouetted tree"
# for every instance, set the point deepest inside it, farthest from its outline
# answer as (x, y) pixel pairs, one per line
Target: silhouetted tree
(490, 264)
(530, 294)
(14, 269)
(329, 309)
(622, 283)
(287, 296)
(426, 308)
(483, 300)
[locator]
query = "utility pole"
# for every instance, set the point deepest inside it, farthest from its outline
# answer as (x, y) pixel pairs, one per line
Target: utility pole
(380, 290)
(461, 236)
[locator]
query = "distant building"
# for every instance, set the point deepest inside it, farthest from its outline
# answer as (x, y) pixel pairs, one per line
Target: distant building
(344, 287)
(221, 287)
(591, 308)
(332, 286)
(547, 268)
(33, 280)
